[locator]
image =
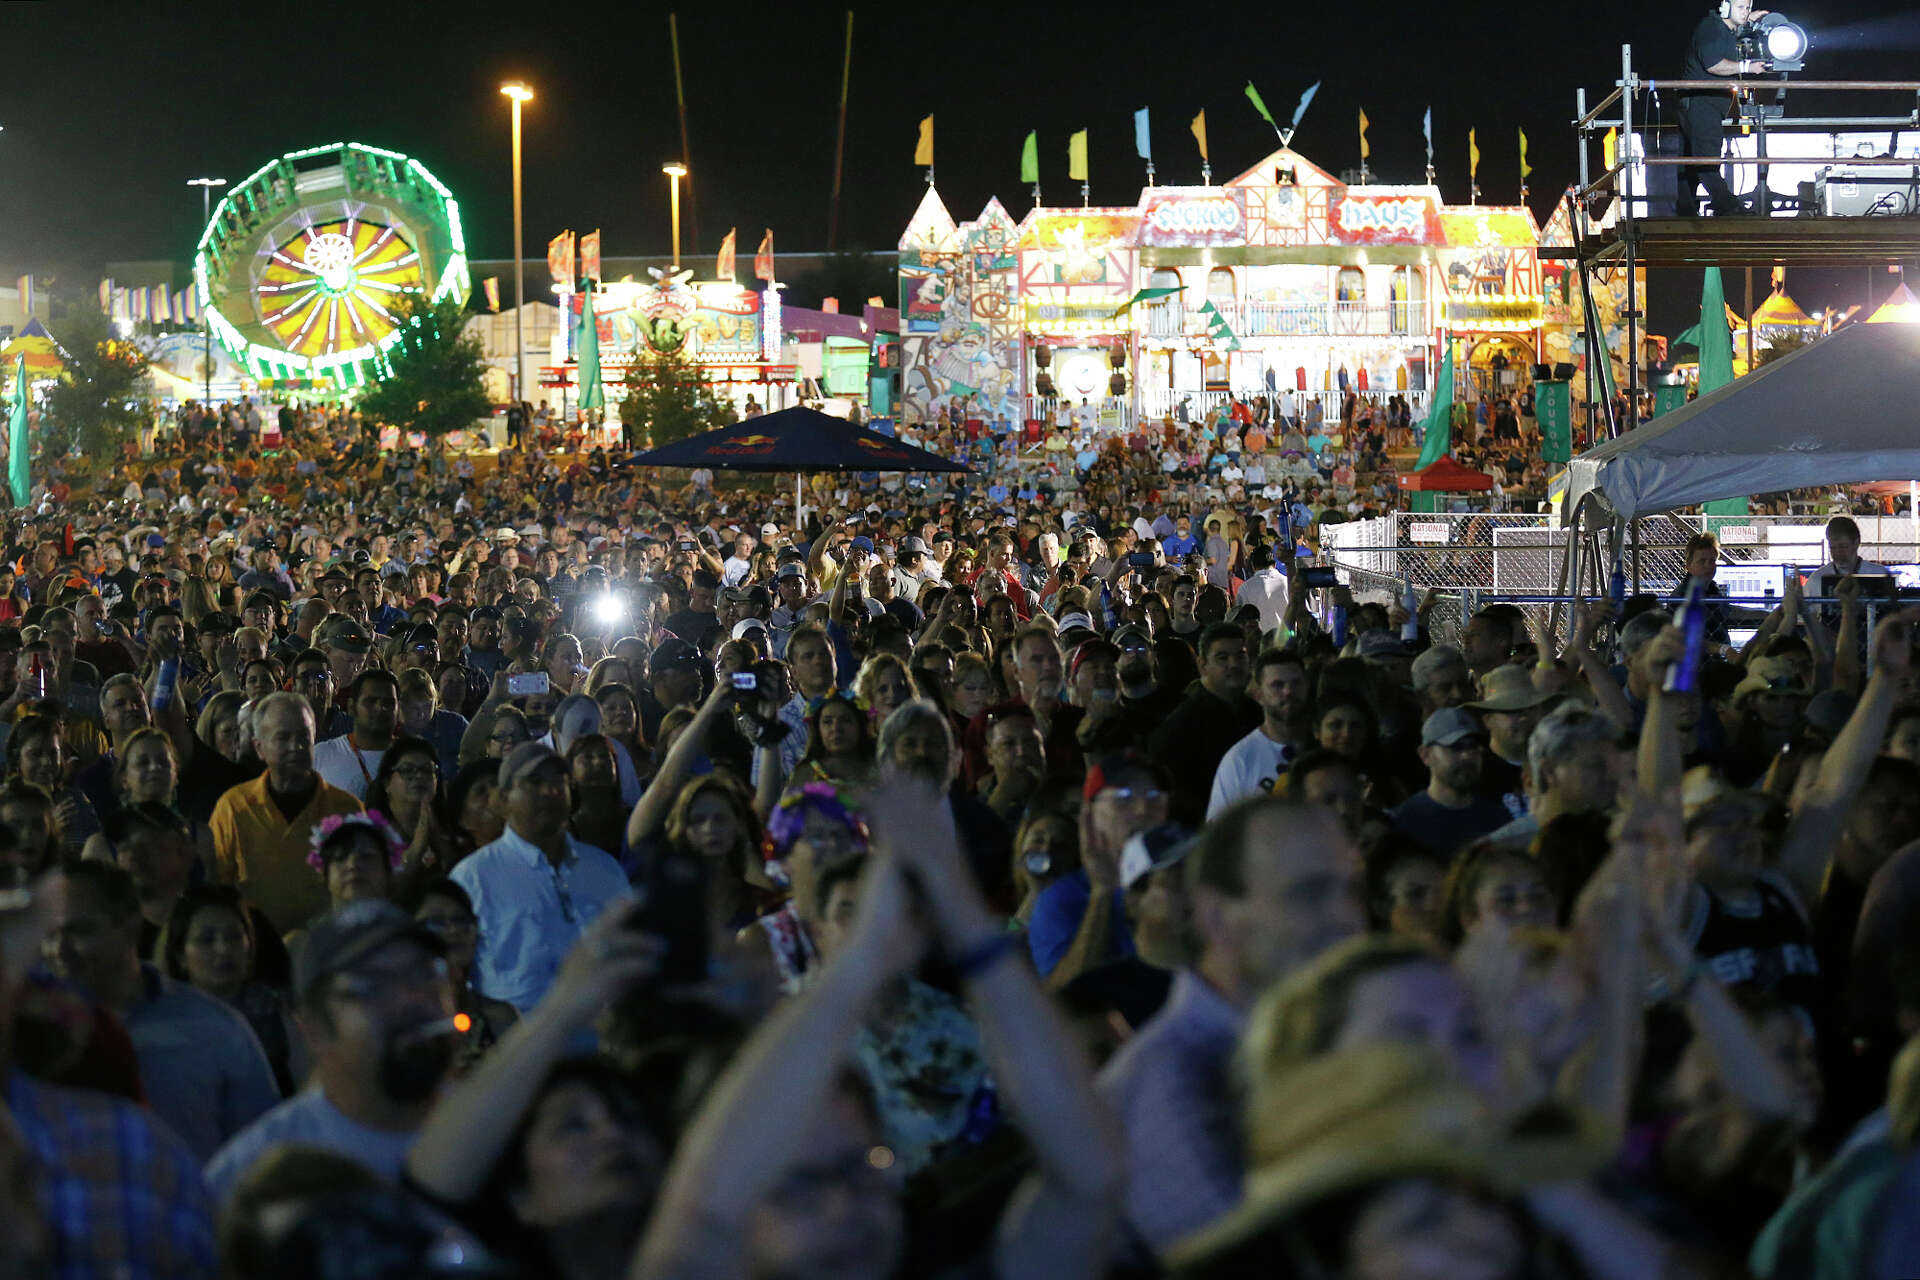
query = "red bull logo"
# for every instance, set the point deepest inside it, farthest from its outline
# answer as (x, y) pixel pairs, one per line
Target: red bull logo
(753, 440)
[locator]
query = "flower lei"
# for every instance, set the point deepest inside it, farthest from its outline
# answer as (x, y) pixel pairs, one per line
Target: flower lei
(330, 826)
(789, 819)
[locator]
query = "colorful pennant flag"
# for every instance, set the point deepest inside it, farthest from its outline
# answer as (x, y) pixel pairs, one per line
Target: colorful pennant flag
(106, 297)
(1426, 131)
(1199, 130)
(1300, 112)
(162, 304)
(1365, 151)
(1142, 141)
(1525, 168)
(1030, 159)
(26, 295)
(1609, 147)
(1259, 104)
(763, 258)
(923, 150)
(590, 256)
(560, 259)
(491, 287)
(1077, 156)
(723, 265)
(1217, 327)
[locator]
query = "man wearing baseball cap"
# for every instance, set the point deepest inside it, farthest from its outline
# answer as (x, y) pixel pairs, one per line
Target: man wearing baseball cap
(375, 1006)
(1079, 921)
(536, 888)
(1450, 813)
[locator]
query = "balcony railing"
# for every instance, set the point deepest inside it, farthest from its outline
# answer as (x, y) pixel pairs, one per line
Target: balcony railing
(1296, 319)
(1155, 404)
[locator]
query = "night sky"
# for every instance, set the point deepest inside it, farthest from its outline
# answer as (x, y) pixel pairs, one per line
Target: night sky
(109, 109)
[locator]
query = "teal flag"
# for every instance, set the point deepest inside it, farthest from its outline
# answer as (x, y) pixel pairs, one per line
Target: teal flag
(1438, 441)
(1714, 341)
(1030, 159)
(1553, 410)
(17, 436)
(1668, 398)
(587, 350)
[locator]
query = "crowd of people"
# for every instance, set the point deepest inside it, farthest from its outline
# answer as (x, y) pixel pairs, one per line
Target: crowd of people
(415, 863)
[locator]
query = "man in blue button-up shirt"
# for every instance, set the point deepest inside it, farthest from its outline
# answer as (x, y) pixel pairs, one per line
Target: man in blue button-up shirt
(536, 888)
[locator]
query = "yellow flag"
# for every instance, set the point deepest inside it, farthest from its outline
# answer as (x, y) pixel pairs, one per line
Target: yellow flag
(1199, 127)
(923, 153)
(1779, 277)
(1077, 156)
(1473, 157)
(1525, 168)
(1364, 152)
(1609, 143)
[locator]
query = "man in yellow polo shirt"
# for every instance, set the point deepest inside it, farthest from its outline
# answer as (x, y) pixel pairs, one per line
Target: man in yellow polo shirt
(260, 828)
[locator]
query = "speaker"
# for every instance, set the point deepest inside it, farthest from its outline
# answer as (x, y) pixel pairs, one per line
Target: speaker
(1543, 373)
(1563, 373)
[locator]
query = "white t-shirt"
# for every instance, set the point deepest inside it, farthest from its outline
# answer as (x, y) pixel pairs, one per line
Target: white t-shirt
(736, 571)
(1250, 768)
(308, 1120)
(333, 759)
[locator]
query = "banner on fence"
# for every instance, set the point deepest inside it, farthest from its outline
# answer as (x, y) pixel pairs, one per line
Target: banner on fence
(1553, 409)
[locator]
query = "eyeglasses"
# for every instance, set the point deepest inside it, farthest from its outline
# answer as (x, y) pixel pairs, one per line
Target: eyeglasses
(313, 677)
(1132, 795)
(417, 772)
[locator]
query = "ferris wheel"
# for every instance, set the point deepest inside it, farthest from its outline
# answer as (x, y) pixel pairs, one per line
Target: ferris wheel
(302, 264)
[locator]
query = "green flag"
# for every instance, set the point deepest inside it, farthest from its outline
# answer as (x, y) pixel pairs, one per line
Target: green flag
(1553, 410)
(1253, 96)
(17, 436)
(1716, 368)
(1439, 432)
(587, 351)
(1714, 341)
(1030, 159)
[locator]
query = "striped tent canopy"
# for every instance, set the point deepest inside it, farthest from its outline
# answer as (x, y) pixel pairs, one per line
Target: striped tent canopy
(37, 345)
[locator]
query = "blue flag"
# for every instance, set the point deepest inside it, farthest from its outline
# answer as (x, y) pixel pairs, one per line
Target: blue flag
(1426, 130)
(1306, 99)
(1142, 144)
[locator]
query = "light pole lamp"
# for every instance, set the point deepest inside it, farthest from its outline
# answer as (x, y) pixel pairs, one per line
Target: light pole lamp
(675, 172)
(206, 186)
(519, 94)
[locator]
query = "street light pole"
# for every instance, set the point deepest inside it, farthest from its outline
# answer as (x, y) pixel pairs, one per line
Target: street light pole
(675, 172)
(519, 93)
(206, 186)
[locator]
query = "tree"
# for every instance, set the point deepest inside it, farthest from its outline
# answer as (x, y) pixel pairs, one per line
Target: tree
(431, 378)
(668, 397)
(102, 396)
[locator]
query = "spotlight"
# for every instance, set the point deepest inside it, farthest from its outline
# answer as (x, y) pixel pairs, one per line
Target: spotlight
(1776, 41)
(609, 609)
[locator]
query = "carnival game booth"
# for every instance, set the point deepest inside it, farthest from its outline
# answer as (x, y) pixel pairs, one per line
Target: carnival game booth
(1427, 488)
(1284, 282)
(1780, 427)
(730, 333)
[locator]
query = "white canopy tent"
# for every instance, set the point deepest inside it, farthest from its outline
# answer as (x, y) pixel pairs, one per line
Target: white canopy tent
(1843, 410)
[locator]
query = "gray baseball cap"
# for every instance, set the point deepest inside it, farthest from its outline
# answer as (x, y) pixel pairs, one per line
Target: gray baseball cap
(339, 940)
(1449, 726)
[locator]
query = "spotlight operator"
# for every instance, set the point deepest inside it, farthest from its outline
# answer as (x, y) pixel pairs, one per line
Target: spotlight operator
(1714, 51)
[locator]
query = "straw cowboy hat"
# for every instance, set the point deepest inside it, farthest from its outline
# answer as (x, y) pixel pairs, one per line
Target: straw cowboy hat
(1373, 1114)
(1510, 688)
